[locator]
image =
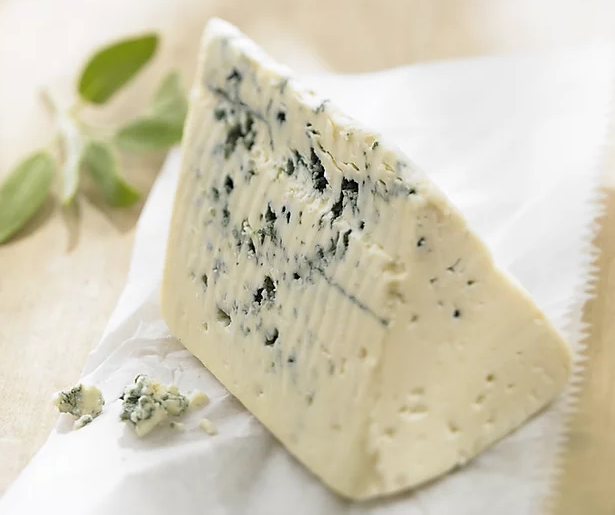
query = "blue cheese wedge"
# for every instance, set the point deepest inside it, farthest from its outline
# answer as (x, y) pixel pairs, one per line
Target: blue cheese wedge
(336, 292)
(147, 403)
(81, 401)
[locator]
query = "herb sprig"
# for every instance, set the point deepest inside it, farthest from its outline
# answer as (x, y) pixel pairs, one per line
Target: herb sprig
(84, 147)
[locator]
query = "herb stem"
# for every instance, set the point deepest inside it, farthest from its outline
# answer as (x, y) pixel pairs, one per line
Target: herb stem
(95, 131)
(49, 101)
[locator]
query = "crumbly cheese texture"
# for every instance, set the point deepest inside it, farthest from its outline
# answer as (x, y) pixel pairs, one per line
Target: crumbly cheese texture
(147, 403)
(198, 398)
(336, 292)
(177, 426)
(208, 426)
(82, 401)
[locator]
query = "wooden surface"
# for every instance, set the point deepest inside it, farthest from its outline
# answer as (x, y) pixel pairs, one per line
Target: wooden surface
(589, 465)
(61, 277)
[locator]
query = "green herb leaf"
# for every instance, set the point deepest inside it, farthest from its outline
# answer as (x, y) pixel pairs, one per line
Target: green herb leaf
(170, 102)
(163, 124)
(149, 133)
(24, 192)
(102, 166)
(72, 141)
(112, 67)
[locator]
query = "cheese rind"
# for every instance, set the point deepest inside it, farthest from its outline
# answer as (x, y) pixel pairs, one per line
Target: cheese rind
(336, 292)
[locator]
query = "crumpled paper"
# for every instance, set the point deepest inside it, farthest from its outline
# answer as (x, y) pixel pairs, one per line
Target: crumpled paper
(516, 143)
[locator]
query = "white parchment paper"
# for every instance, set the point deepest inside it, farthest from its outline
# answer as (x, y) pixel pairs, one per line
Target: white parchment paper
(516, 143)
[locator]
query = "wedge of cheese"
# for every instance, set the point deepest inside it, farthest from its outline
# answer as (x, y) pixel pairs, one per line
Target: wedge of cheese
(336, 292)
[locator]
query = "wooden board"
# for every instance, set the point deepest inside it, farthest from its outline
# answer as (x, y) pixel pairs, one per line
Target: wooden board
(61, 277)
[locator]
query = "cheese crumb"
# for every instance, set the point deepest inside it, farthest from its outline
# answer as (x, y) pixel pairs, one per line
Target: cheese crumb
(147, 403)
(198, 398)
(83, 421)
(178, 426)
(208, 426)
(83, 402)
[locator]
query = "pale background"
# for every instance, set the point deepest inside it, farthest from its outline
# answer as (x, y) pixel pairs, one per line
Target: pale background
(61, 276)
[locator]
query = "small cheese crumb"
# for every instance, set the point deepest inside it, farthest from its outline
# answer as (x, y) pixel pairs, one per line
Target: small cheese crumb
(198, 398)
(178, 426)
(83, 402)
(208, 426)
(83, 421)
(147, 403)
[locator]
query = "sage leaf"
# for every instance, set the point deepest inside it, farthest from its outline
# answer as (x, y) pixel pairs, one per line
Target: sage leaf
(170, 102)
(149, 133)
(102, 166)
(24, 192)
(162, 125)
(113, 66)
